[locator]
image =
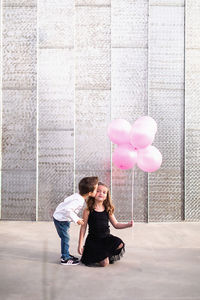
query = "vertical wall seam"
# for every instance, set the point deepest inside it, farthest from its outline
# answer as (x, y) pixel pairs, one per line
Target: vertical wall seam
(148, 16)
(74, 161)
(184, 119)
(37, 114)
(1, 104)
(111, 94)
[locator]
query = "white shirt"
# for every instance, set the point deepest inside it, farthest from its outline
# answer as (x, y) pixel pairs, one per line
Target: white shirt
(69, 208)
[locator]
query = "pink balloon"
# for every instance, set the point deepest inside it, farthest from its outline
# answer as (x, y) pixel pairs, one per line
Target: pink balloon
(141, 136)
(148, 122)
(143, 132)
(149, 159)
(124, 157)
(118, 131)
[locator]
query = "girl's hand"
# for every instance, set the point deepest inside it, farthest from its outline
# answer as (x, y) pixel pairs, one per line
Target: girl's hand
(130, 224)
(80, 250)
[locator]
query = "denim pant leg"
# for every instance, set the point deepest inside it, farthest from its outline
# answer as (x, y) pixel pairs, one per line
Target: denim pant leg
(62, 228)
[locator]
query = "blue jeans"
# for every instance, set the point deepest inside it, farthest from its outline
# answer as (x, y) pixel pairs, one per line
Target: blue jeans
(62, 228)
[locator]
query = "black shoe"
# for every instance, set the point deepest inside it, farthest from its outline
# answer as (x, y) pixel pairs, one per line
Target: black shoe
(69, 262)
(73, 257)
(111, 260)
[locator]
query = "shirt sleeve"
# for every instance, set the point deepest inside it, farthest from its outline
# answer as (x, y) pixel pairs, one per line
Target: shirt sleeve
(73, 209)
(72, 215)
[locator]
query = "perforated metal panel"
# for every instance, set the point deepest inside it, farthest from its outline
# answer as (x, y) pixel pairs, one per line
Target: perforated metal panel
(129, 23)
(18, 195)
(19, 3)
(92, 119)
(56, 24)
(56, 89)
(18, 111)
(92, 94)
(55, 170)
(166, 103)
(167, 3)
(92, 2)
(19, 145)
(55, 105)
(19, 47)
(192, 111)
(129, 97)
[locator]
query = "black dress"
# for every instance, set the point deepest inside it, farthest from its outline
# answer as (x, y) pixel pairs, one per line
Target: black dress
(100, 243)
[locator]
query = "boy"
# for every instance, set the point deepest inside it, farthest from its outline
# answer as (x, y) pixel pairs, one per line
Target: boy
(67, 211)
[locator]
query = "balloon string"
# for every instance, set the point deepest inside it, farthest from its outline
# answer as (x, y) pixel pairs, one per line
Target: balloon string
(132, 194)
(132, 201)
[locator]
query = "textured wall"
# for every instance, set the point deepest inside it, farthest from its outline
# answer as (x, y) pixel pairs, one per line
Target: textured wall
(166, 105)
(129, 73)
(68, 68)
(192, 111)
(19, 109)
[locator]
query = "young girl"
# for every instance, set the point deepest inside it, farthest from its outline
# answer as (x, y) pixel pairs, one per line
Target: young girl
(100, 246)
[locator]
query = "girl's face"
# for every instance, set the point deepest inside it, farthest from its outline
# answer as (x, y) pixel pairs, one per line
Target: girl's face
(101, 193)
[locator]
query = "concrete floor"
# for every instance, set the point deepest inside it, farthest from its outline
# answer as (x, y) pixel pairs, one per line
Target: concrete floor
(162, 262)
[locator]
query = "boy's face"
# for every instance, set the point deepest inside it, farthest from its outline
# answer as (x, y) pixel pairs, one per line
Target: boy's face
(93, 194)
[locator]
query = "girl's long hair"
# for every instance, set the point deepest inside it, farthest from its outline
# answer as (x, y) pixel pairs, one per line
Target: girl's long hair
(107, 202)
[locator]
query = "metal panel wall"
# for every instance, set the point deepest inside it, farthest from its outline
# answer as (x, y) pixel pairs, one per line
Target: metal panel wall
(129, 96)
(55, 104)
(19, 110)
(192, 111)
(68, 68)
(166, 103)
(92, 92)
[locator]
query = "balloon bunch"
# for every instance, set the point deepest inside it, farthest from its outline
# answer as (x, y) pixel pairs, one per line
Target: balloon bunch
(134, 144)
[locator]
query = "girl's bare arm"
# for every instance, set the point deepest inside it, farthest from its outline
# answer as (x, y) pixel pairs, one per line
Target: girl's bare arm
(82, 231)
(118, 225)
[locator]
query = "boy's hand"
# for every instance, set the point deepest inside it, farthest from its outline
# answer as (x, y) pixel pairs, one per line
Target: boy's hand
(80, 222)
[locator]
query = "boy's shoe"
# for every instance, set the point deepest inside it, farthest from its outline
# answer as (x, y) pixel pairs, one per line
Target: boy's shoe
(69, 262)
(73, 257)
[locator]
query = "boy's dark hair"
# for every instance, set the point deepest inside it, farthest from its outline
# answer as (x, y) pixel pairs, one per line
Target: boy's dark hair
(87, 184)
